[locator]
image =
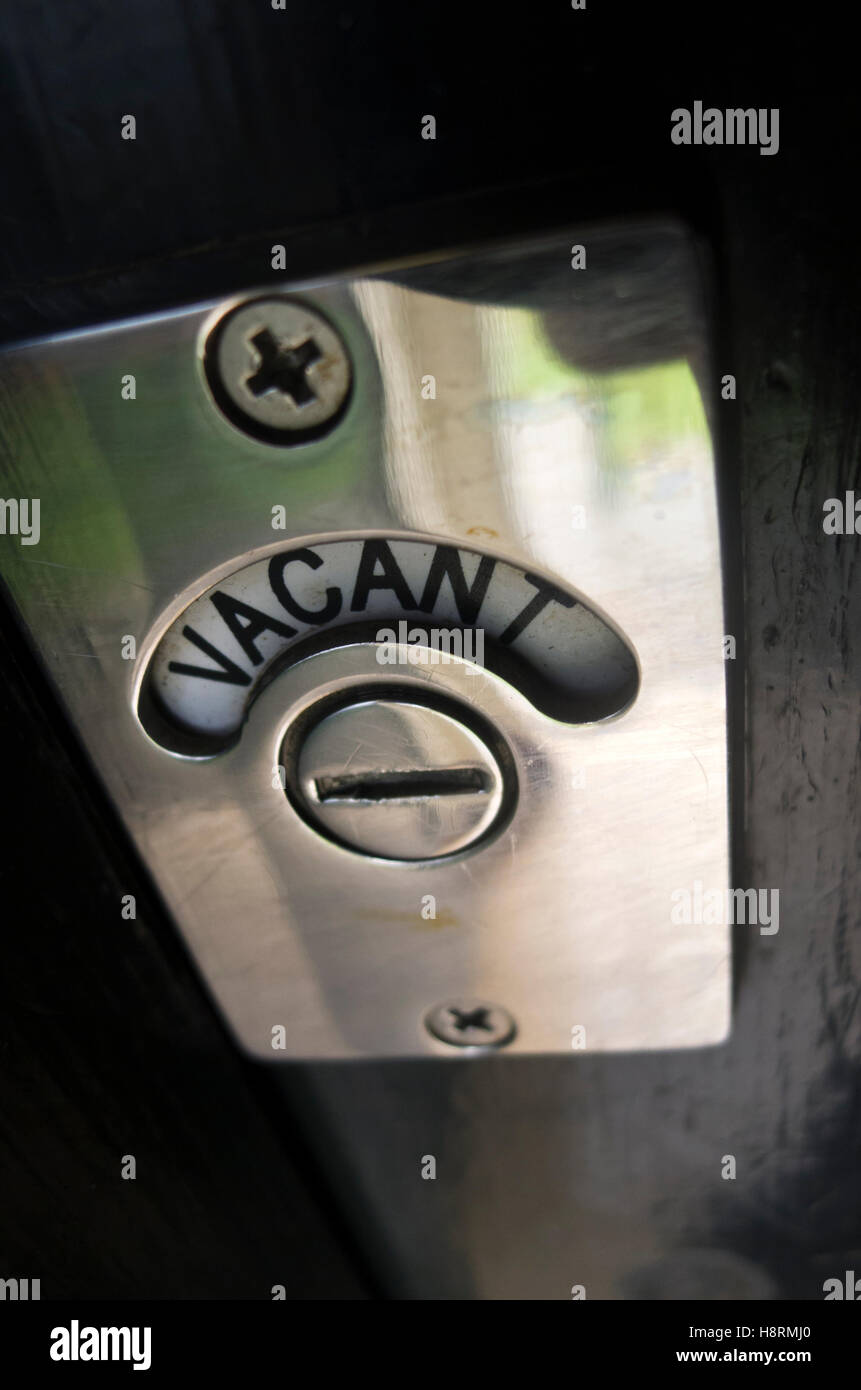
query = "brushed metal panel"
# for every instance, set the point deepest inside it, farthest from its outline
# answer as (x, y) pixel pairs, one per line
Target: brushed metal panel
(534, 448)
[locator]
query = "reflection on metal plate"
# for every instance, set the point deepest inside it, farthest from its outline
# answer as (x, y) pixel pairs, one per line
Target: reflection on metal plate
(523, 456)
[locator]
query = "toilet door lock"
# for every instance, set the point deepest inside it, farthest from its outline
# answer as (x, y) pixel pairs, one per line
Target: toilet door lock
(398, 778)
(370, 855)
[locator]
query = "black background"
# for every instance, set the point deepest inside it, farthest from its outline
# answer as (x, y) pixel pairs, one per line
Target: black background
(302, 127)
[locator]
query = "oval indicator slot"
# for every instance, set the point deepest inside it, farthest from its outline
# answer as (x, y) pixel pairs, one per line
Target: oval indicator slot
(568, 659)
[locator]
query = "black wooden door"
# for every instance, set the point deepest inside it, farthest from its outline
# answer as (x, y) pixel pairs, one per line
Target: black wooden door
(257, 125)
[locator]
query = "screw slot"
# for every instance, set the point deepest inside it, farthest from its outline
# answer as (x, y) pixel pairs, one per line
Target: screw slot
(471, 1023)
(397, 775)
(403, 786)
(283, 369)
(278, 370)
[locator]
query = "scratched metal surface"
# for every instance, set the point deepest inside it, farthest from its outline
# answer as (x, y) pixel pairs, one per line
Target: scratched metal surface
(565, 918)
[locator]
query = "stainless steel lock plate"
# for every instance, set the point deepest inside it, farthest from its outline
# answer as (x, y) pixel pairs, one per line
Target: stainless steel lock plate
(399, 778)
(239, 534)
